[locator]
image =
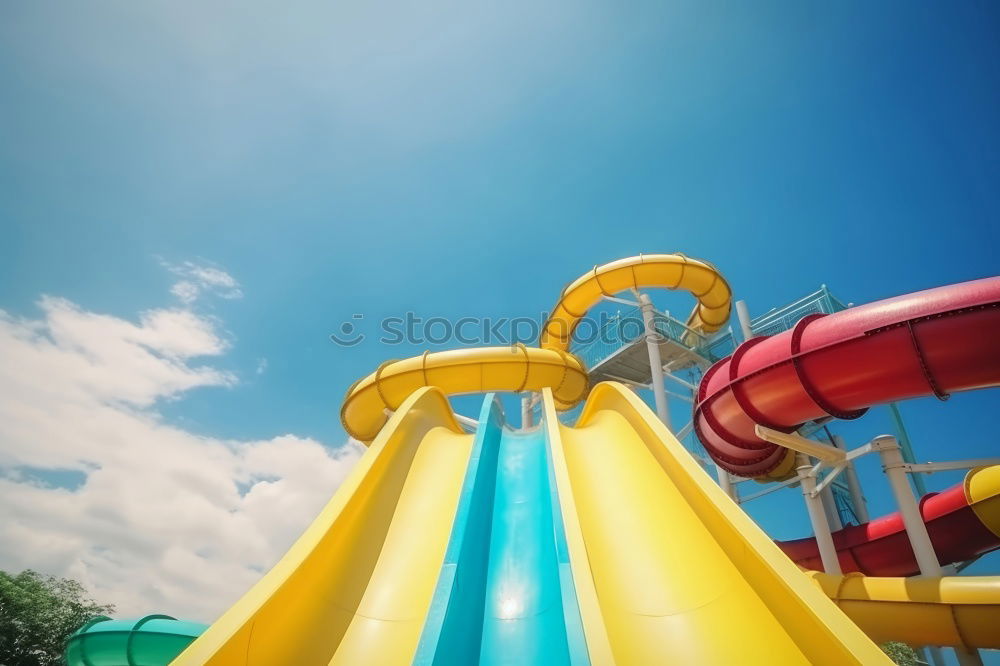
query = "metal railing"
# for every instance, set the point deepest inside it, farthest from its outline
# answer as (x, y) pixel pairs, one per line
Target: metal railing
(626, 327)
(775, 321)
(782, 319)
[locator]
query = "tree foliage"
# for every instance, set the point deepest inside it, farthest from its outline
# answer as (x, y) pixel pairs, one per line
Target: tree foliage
(37, 614)
(901, 653)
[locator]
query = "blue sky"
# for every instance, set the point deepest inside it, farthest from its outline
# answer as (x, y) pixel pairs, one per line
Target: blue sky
(457, 160)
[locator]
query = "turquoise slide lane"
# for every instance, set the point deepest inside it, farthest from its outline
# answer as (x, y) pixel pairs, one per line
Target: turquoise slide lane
(454, 626)
(505, 595)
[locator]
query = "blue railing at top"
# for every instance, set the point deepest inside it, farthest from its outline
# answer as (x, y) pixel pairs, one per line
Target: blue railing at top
(626, 327)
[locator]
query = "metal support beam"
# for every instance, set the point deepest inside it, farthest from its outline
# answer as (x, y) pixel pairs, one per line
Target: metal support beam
(727, 485)
(767, 491)
(968, 657)
(830, 505)
(907, 447)
(627, 382)
(466, 422)
(743, 316)
(824, 452)
(620, 301)
(894, 467)
(928, 468)
(830, 478)
(681, 396)
(817, 516)
(527, 415)
(688, 385)
(655, 361)
(853, 484)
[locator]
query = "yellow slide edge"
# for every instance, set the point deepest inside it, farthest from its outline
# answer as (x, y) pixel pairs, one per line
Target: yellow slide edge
(239, 617)
(795, 587)
(594, 630)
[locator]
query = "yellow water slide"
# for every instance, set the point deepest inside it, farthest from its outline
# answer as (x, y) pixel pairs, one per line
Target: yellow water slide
(356, 587)
(472, 370)
(669, 569)
(953, 611)
(666, 567)
(670, 271)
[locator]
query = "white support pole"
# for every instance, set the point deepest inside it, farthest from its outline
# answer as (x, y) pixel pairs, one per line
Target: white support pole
(526, 414)
(655, 361)
(894, 467)
(968, 657)
(726, 483)
(934, 655)
(817, 516)
(743, 316)
(830, 508)
(853, 484)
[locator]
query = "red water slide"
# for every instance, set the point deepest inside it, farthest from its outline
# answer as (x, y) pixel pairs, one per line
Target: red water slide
(881, 548)
(933, 342)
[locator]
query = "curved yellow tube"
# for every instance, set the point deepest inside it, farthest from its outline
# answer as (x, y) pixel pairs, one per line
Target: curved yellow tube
(672, 271)
(475, 370)
(953, 611)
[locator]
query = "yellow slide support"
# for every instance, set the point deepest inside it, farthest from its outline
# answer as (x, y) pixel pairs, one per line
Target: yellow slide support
(477, 370)
(961, 612)
(670, 271)
(357, 585)
(667, 568)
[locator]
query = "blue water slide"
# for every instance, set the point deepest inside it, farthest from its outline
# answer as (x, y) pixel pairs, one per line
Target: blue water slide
(505, 594)
(453, 630)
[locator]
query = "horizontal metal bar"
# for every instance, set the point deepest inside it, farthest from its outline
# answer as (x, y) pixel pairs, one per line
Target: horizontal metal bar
(834, 473)
(680, 396)
(680, 381)
(768, 491)
(466, 421)
(627, 382)
(862, 450)
(622, 301)
(931, 467)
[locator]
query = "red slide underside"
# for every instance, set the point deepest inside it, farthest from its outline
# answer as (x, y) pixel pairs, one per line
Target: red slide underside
(881, 547)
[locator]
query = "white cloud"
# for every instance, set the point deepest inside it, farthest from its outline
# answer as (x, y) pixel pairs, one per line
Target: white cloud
(261, 366)
(186, 291)
(166, 519)
(199, 278)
